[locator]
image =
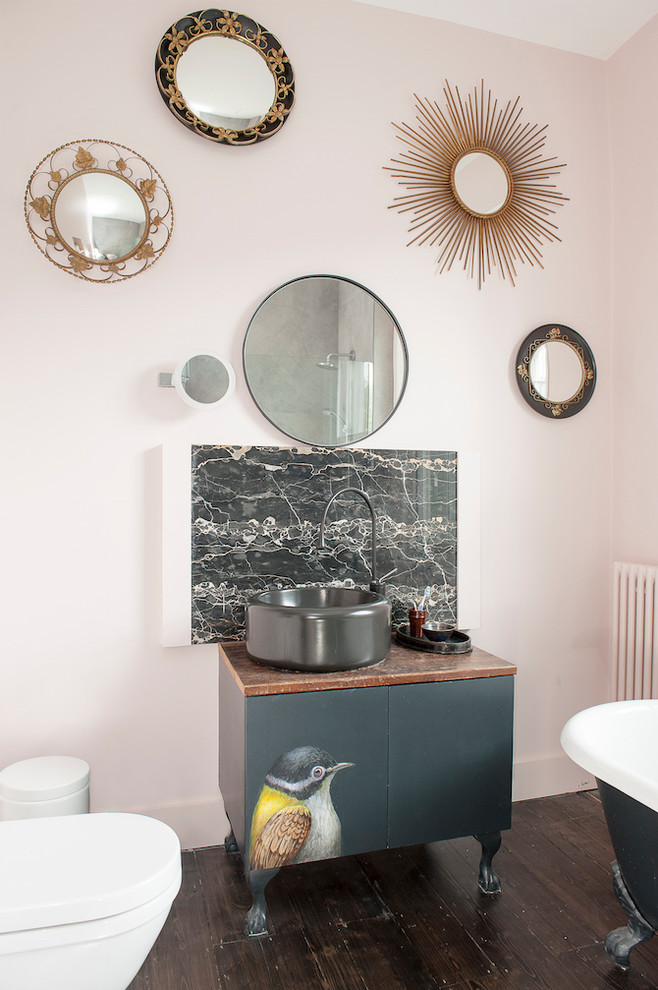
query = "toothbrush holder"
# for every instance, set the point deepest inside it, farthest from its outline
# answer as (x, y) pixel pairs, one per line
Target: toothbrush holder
(417, 617)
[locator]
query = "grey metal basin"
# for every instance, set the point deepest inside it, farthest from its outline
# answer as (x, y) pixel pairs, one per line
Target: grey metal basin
(318, 629)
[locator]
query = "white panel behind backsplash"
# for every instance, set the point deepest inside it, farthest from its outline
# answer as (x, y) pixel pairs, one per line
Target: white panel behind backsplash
(468, 540)
(176, 544)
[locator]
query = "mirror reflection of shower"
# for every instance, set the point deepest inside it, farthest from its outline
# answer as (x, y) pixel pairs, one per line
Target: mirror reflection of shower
(329, 365)
(344, 428)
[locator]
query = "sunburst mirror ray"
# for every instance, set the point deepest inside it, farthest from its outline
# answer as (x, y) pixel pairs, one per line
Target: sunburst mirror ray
(461, 134)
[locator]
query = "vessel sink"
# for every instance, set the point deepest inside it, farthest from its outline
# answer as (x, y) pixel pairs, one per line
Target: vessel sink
(318, 629)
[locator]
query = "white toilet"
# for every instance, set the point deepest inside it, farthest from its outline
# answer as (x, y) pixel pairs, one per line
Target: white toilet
(83, 898)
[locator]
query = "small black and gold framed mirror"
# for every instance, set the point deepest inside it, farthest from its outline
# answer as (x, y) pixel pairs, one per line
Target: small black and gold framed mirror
(555, 371)
(225, 77)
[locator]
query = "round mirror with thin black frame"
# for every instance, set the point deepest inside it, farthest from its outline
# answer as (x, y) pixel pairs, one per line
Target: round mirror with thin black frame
(225, 77)
(556, 371)
(325, 360)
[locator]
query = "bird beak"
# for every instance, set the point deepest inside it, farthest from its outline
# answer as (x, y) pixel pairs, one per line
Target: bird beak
(340, 766)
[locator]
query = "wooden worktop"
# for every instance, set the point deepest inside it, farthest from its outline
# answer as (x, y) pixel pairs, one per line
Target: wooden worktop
(401, 666)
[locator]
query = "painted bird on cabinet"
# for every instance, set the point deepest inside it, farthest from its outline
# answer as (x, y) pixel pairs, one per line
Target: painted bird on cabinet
(294, 820)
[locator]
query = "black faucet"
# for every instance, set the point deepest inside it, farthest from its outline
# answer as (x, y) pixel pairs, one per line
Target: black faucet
(375, 585)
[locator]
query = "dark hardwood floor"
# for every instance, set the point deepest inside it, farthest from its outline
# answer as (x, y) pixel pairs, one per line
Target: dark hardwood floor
(413, 917)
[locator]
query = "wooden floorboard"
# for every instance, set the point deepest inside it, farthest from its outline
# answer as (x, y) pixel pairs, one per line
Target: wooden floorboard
(413, 917)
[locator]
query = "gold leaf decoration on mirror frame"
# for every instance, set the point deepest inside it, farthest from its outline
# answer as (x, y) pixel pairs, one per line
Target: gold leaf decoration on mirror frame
(213, 22)
(89, 157)
(503, 236)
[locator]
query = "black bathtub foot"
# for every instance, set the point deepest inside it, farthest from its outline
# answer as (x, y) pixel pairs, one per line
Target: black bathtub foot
(619, 942)
(488, 880)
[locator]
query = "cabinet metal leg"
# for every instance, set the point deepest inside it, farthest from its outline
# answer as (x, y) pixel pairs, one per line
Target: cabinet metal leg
(488, 880)
(257, 913)
(619, 942)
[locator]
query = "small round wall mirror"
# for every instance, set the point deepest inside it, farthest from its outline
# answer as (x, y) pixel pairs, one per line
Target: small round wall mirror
(225, 76)
(98, 211)
(204, 380)
(325, 360)
(555, 371)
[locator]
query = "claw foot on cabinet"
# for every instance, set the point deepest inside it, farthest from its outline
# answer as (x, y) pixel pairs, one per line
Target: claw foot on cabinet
(488, 880)
(256, 922)
(230, 843)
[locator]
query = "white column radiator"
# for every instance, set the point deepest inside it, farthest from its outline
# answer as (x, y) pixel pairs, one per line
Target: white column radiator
(634, 632)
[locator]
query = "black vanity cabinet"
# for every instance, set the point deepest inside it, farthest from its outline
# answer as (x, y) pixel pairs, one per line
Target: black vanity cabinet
(427, 743)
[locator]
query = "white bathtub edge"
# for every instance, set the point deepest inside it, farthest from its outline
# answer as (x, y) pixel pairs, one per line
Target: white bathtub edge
(588, 738)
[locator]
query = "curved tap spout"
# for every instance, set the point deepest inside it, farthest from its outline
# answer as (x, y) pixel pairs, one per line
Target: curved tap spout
(373, 551)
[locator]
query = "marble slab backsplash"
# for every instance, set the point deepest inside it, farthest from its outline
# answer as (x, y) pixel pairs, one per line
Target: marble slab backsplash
(256, 515)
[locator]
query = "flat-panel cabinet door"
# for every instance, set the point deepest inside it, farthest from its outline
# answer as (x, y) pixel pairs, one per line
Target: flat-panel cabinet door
(351, 726)
(450, 768)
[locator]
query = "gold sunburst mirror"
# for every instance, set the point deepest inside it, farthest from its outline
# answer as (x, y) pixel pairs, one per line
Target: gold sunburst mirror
(98, 211)
(477, 184)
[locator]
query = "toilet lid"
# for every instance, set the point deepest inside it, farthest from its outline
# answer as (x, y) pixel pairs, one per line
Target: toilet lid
(58, 871)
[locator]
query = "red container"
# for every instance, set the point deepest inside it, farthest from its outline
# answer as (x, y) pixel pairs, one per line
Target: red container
(417, 617)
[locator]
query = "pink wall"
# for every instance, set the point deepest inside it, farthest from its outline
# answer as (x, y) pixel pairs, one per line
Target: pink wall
(82, 667)
(632, 83)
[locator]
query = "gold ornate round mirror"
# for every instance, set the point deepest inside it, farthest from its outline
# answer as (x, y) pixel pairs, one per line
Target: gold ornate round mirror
(225, 77)
(98, 211)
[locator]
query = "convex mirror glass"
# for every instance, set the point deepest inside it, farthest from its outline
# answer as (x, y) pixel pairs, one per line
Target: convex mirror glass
(481, 183)
(225, 84)
(100, 216)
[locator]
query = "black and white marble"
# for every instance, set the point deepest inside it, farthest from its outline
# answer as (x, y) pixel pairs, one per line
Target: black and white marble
(256, 515)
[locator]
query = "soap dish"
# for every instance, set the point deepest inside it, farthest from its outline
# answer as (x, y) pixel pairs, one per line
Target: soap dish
(458, 642)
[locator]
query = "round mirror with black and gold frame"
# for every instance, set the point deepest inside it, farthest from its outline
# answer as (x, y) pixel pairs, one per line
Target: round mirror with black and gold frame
(98, 211)
(555, 371)
(225, 77)
(477, 184)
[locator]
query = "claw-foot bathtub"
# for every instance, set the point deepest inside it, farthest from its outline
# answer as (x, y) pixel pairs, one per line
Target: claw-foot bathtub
(618, 744)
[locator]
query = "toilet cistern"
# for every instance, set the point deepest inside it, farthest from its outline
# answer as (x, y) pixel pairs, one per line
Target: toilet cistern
(375, 584)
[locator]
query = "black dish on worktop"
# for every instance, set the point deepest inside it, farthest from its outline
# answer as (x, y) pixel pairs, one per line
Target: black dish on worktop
(457, 642)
